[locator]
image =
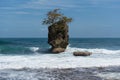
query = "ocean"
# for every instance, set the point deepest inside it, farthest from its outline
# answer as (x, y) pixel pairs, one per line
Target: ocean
(20, 55)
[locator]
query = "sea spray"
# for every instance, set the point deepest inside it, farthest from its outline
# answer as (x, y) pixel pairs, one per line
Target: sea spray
(63, 60)
(96, 50)
(34, 49)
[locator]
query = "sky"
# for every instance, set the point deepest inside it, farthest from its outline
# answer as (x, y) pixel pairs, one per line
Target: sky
(91, 18)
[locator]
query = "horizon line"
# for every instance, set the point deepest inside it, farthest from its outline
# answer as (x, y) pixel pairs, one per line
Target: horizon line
(47, 37)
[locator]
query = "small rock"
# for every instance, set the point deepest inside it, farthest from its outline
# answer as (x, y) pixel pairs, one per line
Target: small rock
(82, 53)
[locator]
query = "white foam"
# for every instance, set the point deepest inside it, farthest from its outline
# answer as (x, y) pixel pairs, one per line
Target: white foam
(63, 60)
(34, 49)
(109, 75)
(97, 50)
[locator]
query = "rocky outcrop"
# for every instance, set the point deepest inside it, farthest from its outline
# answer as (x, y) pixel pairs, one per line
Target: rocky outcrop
(58, 37)
(82, 53)
(58, 50)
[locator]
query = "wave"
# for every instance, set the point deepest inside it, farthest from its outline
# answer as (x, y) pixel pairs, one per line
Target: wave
(4, 42)
(55, 61)
(34, 49)
(96, 50)
(63, 60)
(18, 50)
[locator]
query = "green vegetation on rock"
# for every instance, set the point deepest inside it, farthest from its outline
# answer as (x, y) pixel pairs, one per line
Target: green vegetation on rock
(55, 16)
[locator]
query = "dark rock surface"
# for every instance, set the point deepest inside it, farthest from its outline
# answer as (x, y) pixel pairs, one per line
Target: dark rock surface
(58, 36)
(82, 53)
(58, 50)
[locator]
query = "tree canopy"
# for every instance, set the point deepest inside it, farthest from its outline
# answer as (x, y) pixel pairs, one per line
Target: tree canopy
(55, 16)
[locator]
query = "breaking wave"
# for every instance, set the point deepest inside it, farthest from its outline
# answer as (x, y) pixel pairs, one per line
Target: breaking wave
(62, 60)
(100, 57)
(18, 50)
(96, 50)
(34, 49)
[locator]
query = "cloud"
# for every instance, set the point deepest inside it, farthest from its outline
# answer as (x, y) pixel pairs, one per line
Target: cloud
(105, 3)
(35, 5)
(14, 12)
(7, 8)
(63, 4)
(21, 12)
(48, 4)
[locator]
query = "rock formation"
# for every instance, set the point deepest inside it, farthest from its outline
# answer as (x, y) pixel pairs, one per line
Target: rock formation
(58, 37)
(57, 30)
(82, 53)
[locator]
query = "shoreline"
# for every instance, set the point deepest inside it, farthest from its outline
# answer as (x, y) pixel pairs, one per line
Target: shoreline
(92, 73)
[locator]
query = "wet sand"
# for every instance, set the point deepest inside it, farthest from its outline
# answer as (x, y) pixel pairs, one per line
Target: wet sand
(94, 73)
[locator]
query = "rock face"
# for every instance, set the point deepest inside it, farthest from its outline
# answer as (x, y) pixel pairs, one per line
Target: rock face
(58, 37)
(82, 53)
(58, 50)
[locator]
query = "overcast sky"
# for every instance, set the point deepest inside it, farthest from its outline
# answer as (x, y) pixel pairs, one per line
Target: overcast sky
(91, 18)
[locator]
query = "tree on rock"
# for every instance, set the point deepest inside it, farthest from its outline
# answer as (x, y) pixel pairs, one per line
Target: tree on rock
(58, 30)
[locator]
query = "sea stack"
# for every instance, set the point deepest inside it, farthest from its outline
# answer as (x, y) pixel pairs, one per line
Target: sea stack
(57, 30)
(58, 37)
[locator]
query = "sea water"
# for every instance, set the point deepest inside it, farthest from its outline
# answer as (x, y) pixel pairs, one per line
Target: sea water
(17, 53)
(30, 59)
